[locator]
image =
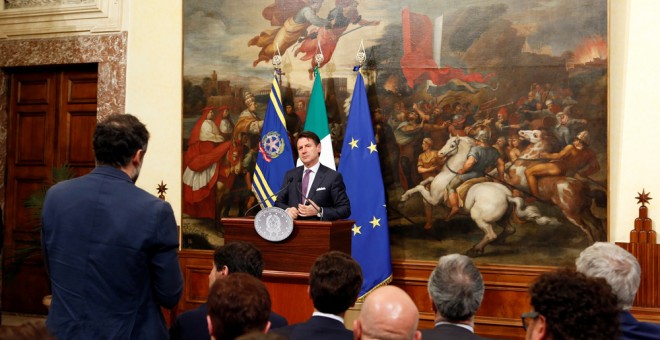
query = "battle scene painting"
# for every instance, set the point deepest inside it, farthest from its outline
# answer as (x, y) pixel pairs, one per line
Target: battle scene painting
(490, 115)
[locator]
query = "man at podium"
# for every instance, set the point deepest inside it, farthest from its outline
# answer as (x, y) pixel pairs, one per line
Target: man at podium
(313, 191)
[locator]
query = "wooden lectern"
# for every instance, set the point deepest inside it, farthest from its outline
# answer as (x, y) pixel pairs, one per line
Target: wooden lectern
(298, 252)
(287, 263)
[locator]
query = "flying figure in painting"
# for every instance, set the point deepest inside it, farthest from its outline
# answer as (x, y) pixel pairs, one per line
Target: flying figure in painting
(344, 14)
(292, 17)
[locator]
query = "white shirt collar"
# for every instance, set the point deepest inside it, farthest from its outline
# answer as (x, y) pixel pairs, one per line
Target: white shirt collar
(468, 327)
(315, 167)
(326, 315)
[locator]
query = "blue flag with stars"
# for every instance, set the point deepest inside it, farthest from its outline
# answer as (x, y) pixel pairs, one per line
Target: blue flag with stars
(275, 157)
(360, 167)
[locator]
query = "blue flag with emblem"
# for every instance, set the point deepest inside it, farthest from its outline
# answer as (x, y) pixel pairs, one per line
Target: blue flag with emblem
(275, 157)
(360, 167)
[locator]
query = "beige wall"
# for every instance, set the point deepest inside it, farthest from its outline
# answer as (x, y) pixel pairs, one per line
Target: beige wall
(153, 90)
(634, 133)
(154, 94)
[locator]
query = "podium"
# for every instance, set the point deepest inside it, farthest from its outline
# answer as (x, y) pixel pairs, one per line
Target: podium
(287, 263)
(297, 252)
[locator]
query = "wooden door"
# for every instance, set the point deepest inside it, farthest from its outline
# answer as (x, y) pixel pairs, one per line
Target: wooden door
(51, 121)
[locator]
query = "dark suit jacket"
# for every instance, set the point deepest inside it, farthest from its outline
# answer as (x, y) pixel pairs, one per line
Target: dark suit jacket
(449, 332)
(633, 329)
(327, 190)
(318, 328)
(110, 249)
(191, 325)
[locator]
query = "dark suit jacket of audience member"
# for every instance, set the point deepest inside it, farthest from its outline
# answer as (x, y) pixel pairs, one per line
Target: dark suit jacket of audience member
(111, 251)
(445, 331)
(317, 328)
(327, 190)
(192, 324)
(633, 329)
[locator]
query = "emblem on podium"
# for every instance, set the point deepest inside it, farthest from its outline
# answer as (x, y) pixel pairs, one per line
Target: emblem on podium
(273, 224)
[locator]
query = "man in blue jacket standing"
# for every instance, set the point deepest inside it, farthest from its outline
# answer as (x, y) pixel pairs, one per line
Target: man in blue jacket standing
(110, 247)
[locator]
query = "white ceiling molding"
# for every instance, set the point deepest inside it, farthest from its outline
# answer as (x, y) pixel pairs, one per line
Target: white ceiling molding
(20, 19)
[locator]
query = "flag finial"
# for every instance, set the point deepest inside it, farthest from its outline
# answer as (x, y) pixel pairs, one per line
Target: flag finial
(360, 57)
(277, 58)
(319, 54)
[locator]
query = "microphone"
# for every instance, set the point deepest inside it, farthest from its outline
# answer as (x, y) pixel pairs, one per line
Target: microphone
(271, 196)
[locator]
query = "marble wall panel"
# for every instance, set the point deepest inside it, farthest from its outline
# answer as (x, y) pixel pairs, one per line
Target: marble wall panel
(108, 51)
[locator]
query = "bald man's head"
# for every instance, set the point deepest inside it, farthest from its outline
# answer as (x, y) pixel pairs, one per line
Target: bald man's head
(388, 313)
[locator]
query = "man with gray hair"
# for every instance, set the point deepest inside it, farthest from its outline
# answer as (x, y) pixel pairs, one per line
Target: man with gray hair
(622, 272)
(456, 290)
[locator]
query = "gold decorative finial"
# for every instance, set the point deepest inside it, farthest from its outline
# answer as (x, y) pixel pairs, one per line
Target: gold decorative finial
(643, 198)
(162, 188)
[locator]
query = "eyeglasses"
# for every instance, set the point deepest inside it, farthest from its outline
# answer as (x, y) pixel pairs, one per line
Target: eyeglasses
(526, 316)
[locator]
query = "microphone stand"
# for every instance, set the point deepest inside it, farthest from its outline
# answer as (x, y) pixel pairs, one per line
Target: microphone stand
(309, 200)
(271, 196)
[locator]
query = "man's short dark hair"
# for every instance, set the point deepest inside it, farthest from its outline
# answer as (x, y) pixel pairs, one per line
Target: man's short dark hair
(118, 138)
(334, 282)
(309, 135)
(456, 288)
(261, 336)
(576, 306)
(239, 257)
(238, 304)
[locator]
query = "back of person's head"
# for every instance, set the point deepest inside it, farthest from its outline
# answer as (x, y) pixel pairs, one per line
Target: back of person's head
(237, 305)
(388, 313)
(261, 336)
(334, 282)
(117, 138)
(239, 257)
(574, 306)
(456, 288)
(614, 264)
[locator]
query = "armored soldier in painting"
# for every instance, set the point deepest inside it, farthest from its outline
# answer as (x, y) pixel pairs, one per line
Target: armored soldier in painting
(481, 158)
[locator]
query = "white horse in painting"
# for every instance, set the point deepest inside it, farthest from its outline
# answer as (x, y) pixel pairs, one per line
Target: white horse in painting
(487, 203)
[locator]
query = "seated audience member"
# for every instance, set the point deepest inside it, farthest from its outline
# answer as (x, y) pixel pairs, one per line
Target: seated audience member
(387, 313)
(235, 257)
(622, 272)
(237, 305)
(456, 290)
(569, 305)
(334, 284)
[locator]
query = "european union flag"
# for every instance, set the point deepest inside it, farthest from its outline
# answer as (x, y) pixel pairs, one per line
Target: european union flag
(360, 167)
(275, 156)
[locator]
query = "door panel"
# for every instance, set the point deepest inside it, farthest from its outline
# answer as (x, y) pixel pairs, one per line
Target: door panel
(78, 152)
(77, 121)
(30, 141)
(51, 120)
(33, 89)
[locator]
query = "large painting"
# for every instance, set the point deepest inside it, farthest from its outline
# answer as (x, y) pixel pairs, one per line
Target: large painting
(448, 82)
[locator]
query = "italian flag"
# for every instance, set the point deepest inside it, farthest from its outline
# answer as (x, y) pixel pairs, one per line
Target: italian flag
(317, 122)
